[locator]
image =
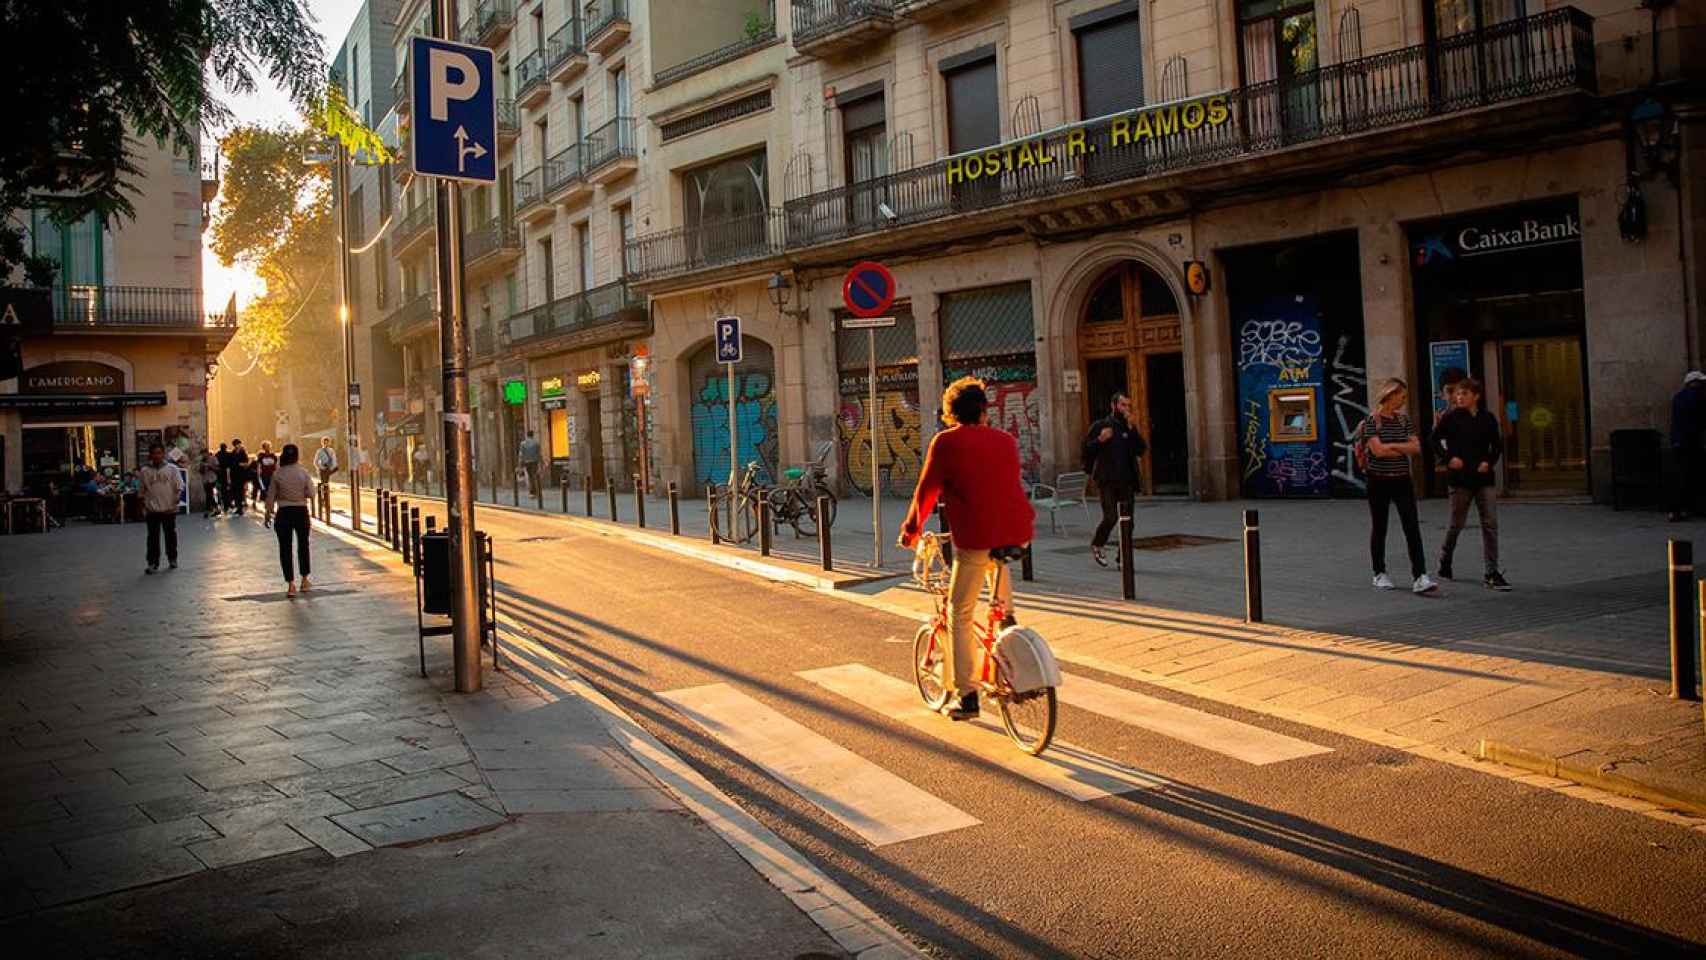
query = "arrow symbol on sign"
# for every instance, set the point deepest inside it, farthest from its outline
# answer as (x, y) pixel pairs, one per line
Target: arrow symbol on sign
(463, 149)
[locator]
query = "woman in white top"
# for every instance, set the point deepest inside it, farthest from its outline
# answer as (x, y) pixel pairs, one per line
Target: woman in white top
(288, 496)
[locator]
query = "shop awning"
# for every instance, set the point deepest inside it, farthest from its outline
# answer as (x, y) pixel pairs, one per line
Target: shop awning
(59, 401)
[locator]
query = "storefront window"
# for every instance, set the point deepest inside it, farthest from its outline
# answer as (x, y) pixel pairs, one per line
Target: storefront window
(989, 333)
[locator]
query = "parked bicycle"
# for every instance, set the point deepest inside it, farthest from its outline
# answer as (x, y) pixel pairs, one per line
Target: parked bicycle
(1016, 669)
(737, 510)
(794, 501)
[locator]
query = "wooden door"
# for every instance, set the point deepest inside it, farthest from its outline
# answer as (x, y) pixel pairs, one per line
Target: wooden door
(1131, 316)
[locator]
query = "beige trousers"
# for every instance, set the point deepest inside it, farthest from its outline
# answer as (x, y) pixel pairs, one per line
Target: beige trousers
(972, 569)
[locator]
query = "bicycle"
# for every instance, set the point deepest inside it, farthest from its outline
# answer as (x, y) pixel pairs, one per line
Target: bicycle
(1016, 670)
(794, 501)
(742, 502)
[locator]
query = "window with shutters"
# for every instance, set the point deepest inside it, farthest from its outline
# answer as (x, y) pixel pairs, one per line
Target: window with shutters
(973, 100)
(1278, 51)
(863, 126)
(1110, 60)
(989, 333)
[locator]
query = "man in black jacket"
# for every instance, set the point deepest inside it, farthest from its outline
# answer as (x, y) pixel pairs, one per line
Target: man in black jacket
(1469, 442)
(1111, 451)
(1688, 445)
(239, 483)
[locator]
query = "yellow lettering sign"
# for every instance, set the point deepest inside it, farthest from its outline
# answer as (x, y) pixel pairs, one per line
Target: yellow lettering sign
(1121, 131)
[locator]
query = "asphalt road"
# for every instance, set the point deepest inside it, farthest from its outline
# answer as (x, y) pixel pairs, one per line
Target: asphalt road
(1357, 851)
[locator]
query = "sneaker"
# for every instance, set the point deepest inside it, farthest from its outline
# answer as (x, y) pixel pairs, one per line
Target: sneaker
(173, 564)
(1424, 584)
(1445, 572)
(1496, 581)
(966, 709)
(1383, 582)
(1100, 555)
(152, 568)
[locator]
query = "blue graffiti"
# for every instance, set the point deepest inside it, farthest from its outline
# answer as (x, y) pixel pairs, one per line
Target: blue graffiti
(755, 423)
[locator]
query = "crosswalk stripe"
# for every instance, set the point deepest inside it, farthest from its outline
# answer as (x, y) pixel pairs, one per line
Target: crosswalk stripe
(871, 801)
(1064, 768)
(1241, 741)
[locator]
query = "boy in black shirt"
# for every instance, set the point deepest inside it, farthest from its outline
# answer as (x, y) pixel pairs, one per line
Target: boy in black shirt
(1469, 442)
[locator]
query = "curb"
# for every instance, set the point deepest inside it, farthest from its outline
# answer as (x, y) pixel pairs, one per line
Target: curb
(1513, 756)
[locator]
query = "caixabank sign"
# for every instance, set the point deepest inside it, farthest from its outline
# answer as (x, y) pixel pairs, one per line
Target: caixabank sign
(1495, 232)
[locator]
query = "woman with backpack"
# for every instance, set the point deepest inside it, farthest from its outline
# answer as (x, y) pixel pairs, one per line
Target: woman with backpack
(1385, 442)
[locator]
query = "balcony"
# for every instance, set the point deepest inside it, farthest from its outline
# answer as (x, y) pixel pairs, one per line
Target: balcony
(708, 246)
(825, 28)
(922, 10)
(716, 58)
(606, 25)
(81, 308)
(568, 52)
(565, 176)
(489, 24)
(610, 151)
(509, 121)
(415, 317)
(530, 203)
(531, 86)
(413, 227)
(394, 133)
(492, 245)
(1505, 85)
(601, 315)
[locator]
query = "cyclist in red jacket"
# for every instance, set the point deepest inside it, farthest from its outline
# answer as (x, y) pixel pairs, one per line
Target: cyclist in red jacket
(975, 469)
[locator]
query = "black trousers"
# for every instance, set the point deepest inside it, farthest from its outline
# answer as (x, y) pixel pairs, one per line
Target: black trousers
(158, 523)
(1113, 498)
(210, 495)
(1395, 492)
(292, 522)
(1688, 477)
(235, 494)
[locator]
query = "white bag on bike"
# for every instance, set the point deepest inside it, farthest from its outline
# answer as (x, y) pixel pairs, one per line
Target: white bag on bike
(1026, 659)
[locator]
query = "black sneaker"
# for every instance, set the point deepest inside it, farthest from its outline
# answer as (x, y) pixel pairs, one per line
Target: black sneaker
(966, 709)
(152, 568)
(1496, 581)
(1445, 572)
(173, 564)
(1100, 555)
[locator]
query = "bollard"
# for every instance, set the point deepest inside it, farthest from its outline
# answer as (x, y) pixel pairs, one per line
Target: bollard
(824, 547)
(1703, 638)
(415, 534)
(565, 485)
(674, 511)
(639, 502)
(538, 489)
(942, 527)
(711, 511)
(1026, 572)
(1128, 576)
(610, 494)
(764, 526)
(399, 543)
(1252, 567)
(379, 498)
(1682, 650)
(515, 489)
(586, 485)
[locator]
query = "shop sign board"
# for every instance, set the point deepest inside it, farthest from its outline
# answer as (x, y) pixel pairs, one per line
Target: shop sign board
(588, 382)
(551, 387)
(1496, 232)
(1444, 355)
(1043, 154)
(82, 377)
(515, 392)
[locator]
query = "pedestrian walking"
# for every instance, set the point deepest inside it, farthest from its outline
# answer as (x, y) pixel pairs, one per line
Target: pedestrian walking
(1449, 379)
(1385, 442)
(529, 455)
(399, 467)
(161, 486)
(423, 469)
(266, 463)
(1688, 446)
(1112, 449)
(1469, 442)
(288, 496)
(237, 487)
(326, 460)
(222, 461)
(208, 468)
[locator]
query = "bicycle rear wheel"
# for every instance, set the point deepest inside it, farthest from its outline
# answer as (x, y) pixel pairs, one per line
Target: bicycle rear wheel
(1029, 718)
(800, 513)
(927, 659)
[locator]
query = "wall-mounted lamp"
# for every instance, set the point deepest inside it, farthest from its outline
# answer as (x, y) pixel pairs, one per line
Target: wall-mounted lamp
(1655, 138)
(780, 291)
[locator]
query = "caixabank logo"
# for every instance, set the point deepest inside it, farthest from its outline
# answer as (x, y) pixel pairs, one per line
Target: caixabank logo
(1467, 240)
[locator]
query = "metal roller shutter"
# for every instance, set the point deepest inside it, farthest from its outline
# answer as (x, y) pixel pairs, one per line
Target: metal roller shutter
(1110, 60)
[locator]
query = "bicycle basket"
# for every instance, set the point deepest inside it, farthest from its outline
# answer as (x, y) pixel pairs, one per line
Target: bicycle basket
(1026, 660)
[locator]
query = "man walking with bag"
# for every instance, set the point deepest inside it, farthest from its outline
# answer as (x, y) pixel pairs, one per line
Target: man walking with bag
(162, 486)
(529, 456)
(1111, 452)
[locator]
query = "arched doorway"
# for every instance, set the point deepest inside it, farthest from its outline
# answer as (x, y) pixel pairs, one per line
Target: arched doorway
(1130, 341)
(755, 412)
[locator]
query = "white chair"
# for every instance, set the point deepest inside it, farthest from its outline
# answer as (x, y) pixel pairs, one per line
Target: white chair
(1068, 490)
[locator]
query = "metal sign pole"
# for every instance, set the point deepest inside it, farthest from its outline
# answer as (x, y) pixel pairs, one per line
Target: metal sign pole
(734, 457)
(876, 438)
(352, 432)
(458, 452)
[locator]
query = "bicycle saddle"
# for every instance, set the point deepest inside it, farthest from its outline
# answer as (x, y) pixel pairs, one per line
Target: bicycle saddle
(1005, 554)
(793, 473)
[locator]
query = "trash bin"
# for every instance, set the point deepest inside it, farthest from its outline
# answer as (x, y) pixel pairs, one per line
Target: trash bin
(435, 574)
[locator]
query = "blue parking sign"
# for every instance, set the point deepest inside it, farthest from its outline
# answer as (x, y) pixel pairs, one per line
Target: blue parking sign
(455, 113)
(728, 340)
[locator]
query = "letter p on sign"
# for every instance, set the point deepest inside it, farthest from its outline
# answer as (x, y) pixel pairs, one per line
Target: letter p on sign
(440, 63)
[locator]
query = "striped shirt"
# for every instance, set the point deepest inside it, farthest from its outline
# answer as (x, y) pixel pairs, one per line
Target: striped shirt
(291, 486)
(1393, 429)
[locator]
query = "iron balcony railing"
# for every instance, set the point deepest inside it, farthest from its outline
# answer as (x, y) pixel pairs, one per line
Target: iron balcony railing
(568, 166)
(530, 188)
(707, 245)
(509, 118)
(406, 320)
(498, 233)
(817, 18)
(581, 311)
(529, 73)
(716, 58)
(88, 305)
(566, 41)
(610, 142)
(1549, 52)
(489, 18)
(412, 224)
(601, 15)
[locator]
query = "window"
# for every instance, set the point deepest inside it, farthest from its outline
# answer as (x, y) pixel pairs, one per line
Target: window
(76, 247)
(511, 304)
(583, 254)
(624, 236)
(382, 270)
(354, 285)
(1451, 18)
(505, 91)
(620, 104)
(548, 268)
(357, 218)
(539, 27)
(577, 117)
(506, 193)
(726, 190)
(540, 129)
(1277, 47)
(1110, 60)
(355, 73)
(974, 102)
(864, 126)
(386, 198)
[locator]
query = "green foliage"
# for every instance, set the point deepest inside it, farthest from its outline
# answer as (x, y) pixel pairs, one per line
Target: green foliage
(758, 25)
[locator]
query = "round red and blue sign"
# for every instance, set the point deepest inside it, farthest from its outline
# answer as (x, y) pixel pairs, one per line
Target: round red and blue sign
(868, 290)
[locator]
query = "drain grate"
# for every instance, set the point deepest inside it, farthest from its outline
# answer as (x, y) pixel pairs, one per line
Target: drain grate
(1166, 541)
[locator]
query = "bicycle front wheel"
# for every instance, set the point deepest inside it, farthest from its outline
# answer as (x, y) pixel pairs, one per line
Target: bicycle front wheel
(1029, 718)
(928, 652)
(801, 514)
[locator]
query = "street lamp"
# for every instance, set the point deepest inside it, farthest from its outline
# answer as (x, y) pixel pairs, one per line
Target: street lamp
(640, 387)
(780, 290)
(1653, 130)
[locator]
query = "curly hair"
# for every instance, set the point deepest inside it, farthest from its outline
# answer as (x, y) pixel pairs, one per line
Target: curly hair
(964, 401)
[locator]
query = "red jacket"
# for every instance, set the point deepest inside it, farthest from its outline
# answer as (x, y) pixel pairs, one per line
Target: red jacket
(977, 469)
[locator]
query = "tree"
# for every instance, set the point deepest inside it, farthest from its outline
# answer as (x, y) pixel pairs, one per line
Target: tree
(83, 79)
